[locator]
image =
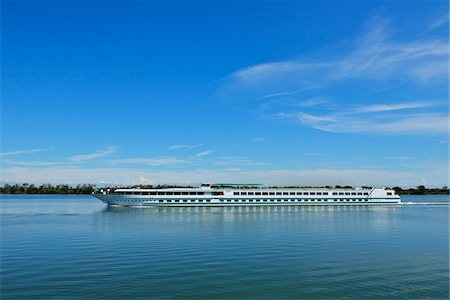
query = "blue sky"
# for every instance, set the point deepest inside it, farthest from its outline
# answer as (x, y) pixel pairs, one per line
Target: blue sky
(307, 93)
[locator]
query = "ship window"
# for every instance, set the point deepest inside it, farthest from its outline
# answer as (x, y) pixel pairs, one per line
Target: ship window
(341, 200)
(365, 200)
(347, 193)
(319, 193)
(279, 200)
(319, 200)
(278, 193)
(243, 193)
(389, 194)
(185, 201)
(265, 200)
(257, 193)
(299, 193)
(366, 193)
(144, 193)
(359, 193)
(334, 193)
(347, 200)
(335, 200)
(161, 193)
(353, 193)
(286, 200)
(292, 193)
(169, 193)
(200, 200)
(360, 200)
(271, 193)
(341, 193)
(229, 200)
(250, 193)
(184, 193)
(312, 193)
(176, 193)
(200, 193)
(177, 200)
(285, 193)
(192, 193)
(305, 193)
(161, 200)
(325, 193)
(272, 200)
(251, 200)
(235, 193)
(169, 201)
(306, 200)
(265, 193)
(325, 200)
(208, 200)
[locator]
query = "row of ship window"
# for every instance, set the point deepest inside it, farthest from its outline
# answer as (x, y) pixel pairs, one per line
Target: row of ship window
(298, 193)
(269, 200)
(162, 193)
(244, 193)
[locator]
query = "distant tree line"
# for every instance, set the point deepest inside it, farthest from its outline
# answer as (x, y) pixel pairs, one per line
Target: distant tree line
(422, 190)
(48, 188)
(26, 188)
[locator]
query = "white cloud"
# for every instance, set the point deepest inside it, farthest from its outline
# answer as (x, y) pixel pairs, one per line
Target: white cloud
(204, 153)
(36, 163)
(237, 161)
(441, 21)
(373, 60)
(406, 124)
(181, 146)
(374, 56)
(99, 153)
(163, 161)
(289, 93)
(437, 176)
(30, 151)
(391, 107)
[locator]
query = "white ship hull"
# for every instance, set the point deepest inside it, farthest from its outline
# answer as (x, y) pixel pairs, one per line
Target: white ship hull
(257, 197)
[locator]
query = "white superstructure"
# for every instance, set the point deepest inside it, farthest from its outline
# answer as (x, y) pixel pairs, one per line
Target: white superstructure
(238, 195)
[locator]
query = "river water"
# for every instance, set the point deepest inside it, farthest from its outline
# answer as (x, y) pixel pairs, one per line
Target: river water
(74, 247)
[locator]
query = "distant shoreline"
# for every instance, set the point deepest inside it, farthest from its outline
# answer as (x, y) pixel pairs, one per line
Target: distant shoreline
(87, 189)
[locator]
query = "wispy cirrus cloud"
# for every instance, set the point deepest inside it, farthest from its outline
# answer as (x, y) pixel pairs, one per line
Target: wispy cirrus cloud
(30, 151)
(312, 90)
(439, 22)
(162, 161)
(99, 153)
(36, 163)
(204, 153)
(392, 107)
(289, 93)
(182, 146)
(406, 124)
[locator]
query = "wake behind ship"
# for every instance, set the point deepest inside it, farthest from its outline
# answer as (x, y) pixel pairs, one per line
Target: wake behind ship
(248, 195)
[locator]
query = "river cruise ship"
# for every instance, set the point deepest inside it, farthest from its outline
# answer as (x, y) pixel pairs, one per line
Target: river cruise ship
(247, 195)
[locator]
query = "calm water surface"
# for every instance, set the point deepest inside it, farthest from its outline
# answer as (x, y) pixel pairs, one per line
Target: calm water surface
(73, 247)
